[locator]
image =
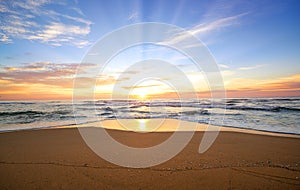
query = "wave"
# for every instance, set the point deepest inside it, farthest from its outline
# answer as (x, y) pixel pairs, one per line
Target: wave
(21, 113)
(108, 109)
(285, 99)
(271, 109)
(103, 114)
(16, 113)
(196, 112)
(234, 101)
(289, 109)
(21, 103)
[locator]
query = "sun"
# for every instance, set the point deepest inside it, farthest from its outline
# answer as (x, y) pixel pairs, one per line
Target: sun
(142, 94)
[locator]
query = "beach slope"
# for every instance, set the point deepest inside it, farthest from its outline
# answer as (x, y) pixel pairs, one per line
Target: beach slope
(60, 159)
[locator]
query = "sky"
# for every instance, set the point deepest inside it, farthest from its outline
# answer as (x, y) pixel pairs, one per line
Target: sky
(42, 42)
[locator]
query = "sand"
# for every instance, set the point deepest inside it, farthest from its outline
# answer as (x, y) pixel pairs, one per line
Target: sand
(60, 159)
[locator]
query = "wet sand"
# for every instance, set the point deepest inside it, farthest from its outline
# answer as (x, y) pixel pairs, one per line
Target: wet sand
(60, 159)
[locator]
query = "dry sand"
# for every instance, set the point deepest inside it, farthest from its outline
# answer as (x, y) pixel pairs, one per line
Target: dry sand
(60, 159)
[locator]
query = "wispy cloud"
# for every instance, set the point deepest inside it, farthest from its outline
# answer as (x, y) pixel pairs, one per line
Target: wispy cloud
(205, 28)
(223, 66)
(133, 16)
(5, 39)
(34, 20)
(59, 33)
(217, 24)
(147, 87)
(251, 67)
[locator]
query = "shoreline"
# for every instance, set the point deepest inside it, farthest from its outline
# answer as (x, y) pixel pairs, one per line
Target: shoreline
(107, 124)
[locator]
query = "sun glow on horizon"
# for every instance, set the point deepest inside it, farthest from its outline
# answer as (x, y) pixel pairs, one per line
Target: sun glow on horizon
(139, 93)
(150, 89)
(142, 95)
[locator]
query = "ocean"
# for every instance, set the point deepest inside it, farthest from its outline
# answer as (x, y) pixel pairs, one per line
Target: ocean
(265, 114)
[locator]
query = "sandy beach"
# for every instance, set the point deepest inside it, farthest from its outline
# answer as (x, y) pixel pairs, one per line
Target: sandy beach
(60, 159)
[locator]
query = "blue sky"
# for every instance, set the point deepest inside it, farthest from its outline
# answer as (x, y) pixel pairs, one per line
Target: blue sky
(252, 41)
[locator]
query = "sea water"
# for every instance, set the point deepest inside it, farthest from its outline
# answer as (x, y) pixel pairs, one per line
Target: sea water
(266, 114)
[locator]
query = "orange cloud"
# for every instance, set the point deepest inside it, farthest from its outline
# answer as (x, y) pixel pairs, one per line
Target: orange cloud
(44, 80)
(284, 86)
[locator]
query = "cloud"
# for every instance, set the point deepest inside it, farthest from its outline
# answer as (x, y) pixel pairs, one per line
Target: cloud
(223, 66)
(47, 80)
(251, 68)
(205, 28)
(141, 86)
(47, 73)
(245, 87)
(284, 83)
(5, 39)
(34, 20)
(31, 4)
(227, 73)
(280, 84)
(217, 24)
(133, 16)
(58, 33)
(41, 80)
(105, 80)
(55, 80)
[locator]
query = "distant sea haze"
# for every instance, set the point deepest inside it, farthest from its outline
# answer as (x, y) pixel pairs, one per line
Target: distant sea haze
(267, 114)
